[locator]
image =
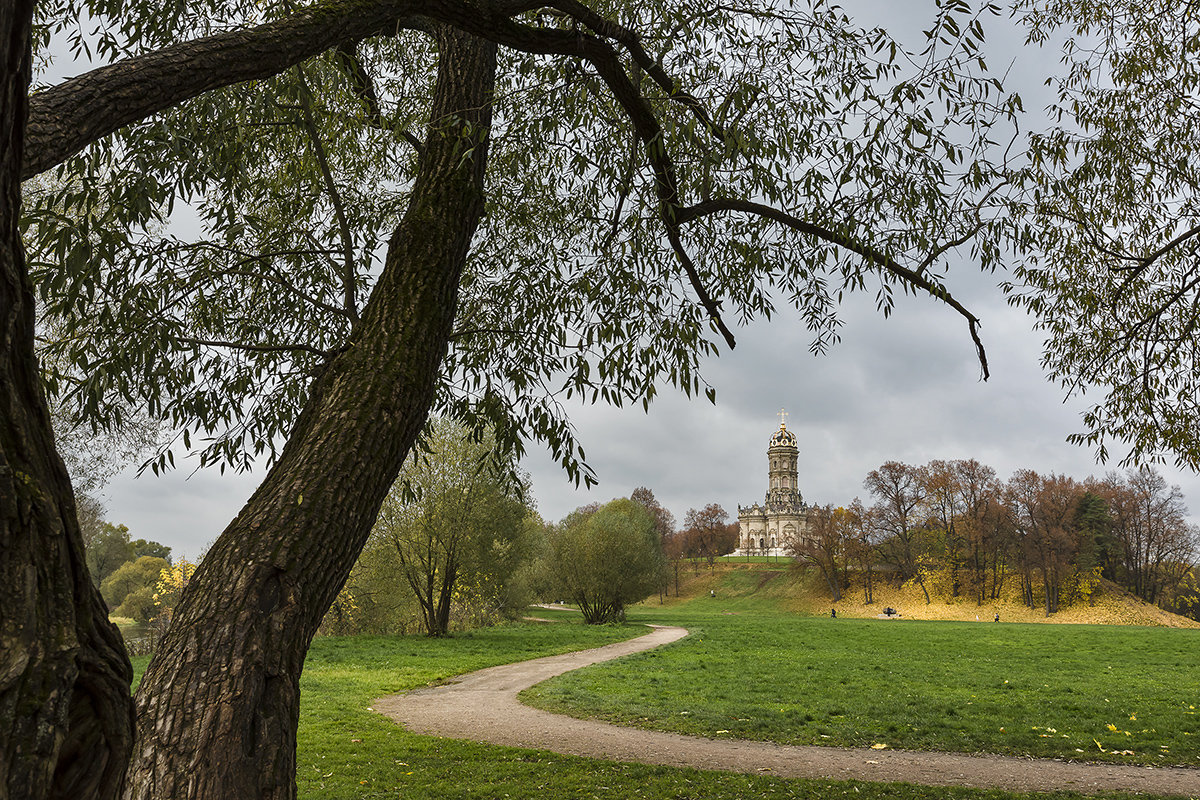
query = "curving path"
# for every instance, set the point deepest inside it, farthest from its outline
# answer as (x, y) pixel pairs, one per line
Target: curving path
(483, 706)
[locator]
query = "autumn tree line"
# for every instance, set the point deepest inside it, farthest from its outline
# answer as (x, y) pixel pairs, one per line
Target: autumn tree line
(954, 529)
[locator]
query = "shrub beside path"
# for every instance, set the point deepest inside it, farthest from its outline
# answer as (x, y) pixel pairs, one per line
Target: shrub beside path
(483, 706)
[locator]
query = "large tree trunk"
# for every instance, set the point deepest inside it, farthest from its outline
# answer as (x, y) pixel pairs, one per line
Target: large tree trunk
(66, 718)
(217, 709)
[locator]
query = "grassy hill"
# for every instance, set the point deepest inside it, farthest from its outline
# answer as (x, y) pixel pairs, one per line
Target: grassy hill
(806, 593)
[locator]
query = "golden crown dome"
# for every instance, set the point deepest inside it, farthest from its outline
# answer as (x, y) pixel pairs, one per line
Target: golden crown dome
(783, 437)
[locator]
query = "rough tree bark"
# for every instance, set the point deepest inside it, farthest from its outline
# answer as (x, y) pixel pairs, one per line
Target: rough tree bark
(218, 707)
(65, 711)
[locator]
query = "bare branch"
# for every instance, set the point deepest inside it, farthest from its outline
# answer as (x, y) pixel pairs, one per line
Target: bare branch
(711, 306)
(363, 88)
(1154, 315)
(623, 193)
(967, 236)
(1146, 261)
(873, 256)
(360, 81)
(265, 261)
(259, 348)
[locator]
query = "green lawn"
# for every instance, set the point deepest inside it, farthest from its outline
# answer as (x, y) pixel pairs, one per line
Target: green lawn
(348, 752)
(1103, 693)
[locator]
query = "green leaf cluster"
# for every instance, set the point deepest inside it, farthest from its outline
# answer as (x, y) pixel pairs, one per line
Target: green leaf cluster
(208, 262)
(1108, 227)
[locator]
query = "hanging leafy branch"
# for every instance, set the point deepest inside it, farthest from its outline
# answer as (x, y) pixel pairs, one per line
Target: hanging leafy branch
(785, 155)
(1111, 205)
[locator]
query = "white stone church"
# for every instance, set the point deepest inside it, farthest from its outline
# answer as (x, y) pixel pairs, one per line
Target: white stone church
(770, 528)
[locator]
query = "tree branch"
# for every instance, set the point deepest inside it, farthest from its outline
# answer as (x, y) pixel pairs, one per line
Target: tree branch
(360, 81)
(68, 117)
(623, 193)
(264, 260)
(258, 348)
(364, 89)
(873, 256)
(349, 271)
(1146, 261)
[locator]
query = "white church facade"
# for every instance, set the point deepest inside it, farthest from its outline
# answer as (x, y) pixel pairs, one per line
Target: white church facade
(772, 527)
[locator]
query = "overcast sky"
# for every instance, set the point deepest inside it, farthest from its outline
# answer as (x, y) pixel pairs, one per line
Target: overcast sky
(905, 389)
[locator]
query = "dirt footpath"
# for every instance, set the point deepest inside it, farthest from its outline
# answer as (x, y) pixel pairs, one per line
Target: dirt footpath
(483, 706)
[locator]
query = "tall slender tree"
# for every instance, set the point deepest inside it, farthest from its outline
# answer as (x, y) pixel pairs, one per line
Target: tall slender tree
(900, 492)
(1155, 543)
(827, 545)
(664, 525)
(709, 533)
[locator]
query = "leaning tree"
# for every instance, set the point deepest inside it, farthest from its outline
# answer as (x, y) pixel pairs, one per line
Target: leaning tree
(292, 232)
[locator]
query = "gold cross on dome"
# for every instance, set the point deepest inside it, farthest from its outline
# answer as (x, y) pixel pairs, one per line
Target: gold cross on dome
(782, 418)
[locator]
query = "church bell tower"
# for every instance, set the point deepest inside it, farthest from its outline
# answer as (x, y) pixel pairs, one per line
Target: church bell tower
(780, 525)
(783, 492)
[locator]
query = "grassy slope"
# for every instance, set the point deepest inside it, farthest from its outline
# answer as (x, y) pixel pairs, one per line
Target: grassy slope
(750, 671)
(347, 752)
(1110, 605)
